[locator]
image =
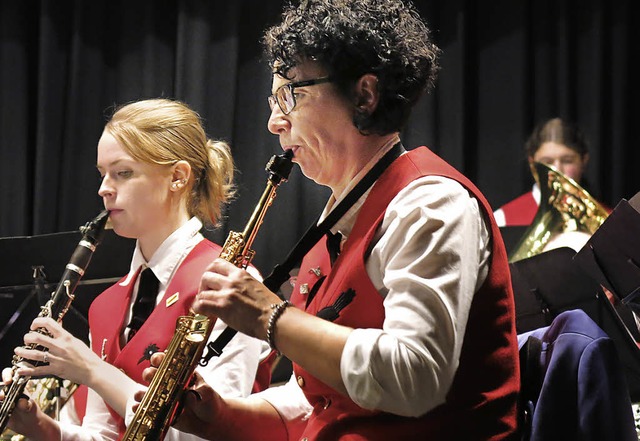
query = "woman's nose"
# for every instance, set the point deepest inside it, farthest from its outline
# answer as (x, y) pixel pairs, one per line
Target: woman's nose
(555, 163)
(277, 122)
(106, 189)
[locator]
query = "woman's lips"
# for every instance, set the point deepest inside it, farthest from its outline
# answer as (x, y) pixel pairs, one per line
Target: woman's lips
(293, 148)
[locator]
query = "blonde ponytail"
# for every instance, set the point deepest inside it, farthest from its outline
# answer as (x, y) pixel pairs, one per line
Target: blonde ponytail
(163, 131)
(214, 187)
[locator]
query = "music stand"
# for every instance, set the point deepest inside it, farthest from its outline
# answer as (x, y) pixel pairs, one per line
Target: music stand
(546, 285)
(30, 270)
(511, 236)
(611, 258)
(612, 254)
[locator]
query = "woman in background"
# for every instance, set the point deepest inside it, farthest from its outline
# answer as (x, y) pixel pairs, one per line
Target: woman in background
(555, 142)
(561, 145)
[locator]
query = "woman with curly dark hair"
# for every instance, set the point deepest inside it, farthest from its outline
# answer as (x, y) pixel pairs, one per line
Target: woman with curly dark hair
(401, 323)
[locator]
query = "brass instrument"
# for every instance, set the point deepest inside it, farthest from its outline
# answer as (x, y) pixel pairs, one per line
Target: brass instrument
(56, 307)
(50, 394)
(158, 408)
(564, 207)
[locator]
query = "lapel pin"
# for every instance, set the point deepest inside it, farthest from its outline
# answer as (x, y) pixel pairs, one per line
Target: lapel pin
(171, 300)
(103, 351)
(316, 271)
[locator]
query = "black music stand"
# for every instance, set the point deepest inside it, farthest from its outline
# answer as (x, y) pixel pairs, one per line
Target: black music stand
(512, 236)
(30, 269)
(546, 285)
(612, 254)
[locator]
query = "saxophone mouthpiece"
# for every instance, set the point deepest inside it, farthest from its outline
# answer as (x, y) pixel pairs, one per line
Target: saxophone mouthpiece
(279, 167)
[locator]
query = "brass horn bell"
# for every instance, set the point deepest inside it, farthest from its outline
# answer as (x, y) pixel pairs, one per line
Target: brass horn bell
(564, 207)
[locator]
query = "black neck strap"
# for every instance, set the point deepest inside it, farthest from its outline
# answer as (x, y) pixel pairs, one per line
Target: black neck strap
(280, 273)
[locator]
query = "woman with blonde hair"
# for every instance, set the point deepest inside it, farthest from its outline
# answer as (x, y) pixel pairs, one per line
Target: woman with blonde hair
(162, 179)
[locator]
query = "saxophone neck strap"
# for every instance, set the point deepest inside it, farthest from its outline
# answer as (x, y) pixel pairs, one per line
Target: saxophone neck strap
(215, 347)
(280, 273)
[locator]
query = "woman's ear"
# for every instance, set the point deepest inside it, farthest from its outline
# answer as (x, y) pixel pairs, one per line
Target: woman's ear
(180, 175)
(366, 94)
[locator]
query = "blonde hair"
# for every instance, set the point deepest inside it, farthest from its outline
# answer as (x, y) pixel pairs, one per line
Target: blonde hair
(163, 131)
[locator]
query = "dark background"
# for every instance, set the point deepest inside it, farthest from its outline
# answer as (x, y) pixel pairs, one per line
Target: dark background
(506, 65)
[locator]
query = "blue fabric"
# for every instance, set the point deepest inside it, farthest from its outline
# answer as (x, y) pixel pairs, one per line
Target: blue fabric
(583, 394)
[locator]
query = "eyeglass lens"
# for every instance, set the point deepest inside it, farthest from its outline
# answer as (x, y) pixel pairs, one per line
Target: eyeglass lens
(286, 98)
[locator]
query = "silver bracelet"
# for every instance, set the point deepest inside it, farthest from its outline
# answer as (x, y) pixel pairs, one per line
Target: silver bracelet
(278, 309)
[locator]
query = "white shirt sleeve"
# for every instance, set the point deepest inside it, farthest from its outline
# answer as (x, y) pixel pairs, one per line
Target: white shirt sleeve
(430, 258)
(98, 423)
(232, 374)
(289, 401)
(500, 218)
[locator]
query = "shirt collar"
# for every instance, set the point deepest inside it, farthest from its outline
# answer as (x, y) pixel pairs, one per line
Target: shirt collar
(170, 253)
(536, 192)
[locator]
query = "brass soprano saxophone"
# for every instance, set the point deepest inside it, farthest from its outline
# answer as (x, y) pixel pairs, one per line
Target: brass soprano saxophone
(56, 307)
(158, 407)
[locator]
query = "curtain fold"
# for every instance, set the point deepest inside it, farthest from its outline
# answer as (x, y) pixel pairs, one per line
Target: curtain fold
(506, 65)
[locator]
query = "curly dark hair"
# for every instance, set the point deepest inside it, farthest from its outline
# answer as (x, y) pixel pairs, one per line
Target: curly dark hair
(355, 37)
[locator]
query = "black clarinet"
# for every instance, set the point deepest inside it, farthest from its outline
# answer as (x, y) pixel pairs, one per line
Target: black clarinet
(56, 307)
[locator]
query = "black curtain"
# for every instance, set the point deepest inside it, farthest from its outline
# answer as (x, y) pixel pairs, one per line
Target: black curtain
(506, 65)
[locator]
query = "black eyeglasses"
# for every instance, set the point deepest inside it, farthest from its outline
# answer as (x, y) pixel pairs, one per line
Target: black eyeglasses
(286, 99)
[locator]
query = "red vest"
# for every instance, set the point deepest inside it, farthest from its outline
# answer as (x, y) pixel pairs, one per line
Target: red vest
(520, 211)
(481, 403)
(108, 312)
(157, 332)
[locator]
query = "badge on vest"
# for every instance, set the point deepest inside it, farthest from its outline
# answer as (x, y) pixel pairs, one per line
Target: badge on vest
(316, 271)
(332, 312)
(103, 350)
(173, 299)
(148, 352)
